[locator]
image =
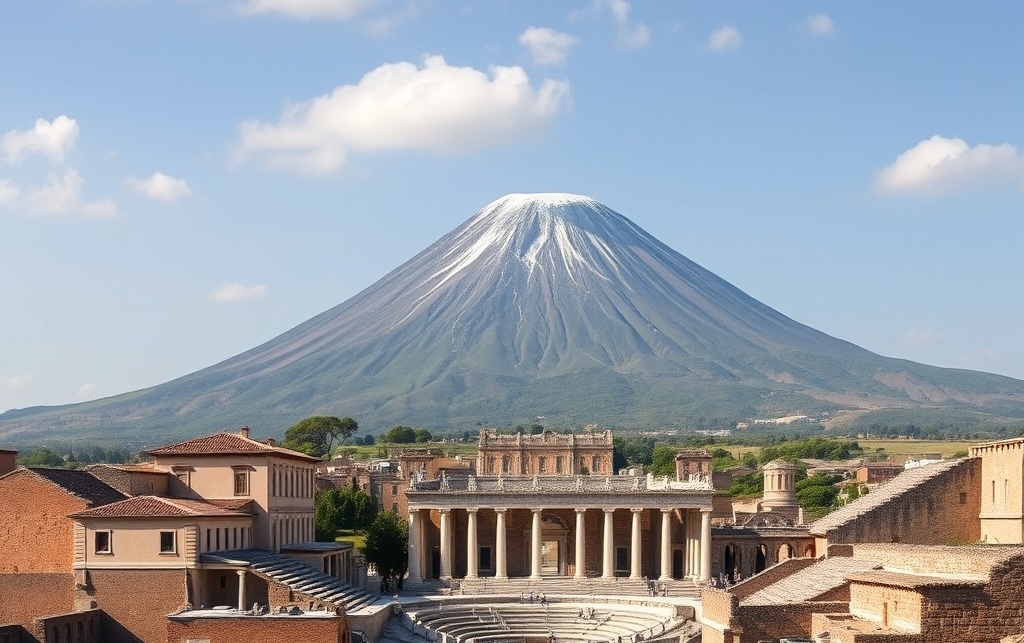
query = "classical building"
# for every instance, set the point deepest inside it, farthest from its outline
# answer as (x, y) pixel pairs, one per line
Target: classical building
(547, 505)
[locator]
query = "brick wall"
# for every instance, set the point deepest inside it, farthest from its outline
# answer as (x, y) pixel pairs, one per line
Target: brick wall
(35, 531)
(25, 597)
(774, 621)
(771, 575)
(262, 628)
(136, 602)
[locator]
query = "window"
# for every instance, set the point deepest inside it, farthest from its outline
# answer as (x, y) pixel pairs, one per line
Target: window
(182, 474)
(167, 542)
(241, 482)
(103, 542)
(595, 464)
(506, 464)
(394, 490)
(542, 464)
(485, 559)
(394, 507)
(558, 464)
(208, 541)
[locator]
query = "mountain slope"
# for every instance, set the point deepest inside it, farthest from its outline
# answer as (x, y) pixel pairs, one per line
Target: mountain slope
(546, 304)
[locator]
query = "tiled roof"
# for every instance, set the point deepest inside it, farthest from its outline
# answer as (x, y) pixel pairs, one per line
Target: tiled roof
(80, 483)
(810, 582)
(157, 507)
(899, 485)
(234, 504)
(226, 443)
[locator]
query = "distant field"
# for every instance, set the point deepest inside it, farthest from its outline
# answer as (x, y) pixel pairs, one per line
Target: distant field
(890, 447)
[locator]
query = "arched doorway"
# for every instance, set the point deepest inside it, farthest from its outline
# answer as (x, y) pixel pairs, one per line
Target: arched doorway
(809, 551)
(785, 552)
(731, 560)
(554, 545)
(761, 559)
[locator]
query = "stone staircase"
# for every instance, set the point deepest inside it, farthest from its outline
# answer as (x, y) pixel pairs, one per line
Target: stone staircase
(299, 577)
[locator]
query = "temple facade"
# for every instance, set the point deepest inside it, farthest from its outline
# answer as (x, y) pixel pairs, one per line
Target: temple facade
(560, 521)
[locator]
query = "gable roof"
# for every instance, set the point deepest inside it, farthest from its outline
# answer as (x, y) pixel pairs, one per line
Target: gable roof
(810, 582)
(158, 507)
(227, 444)
(81, 484)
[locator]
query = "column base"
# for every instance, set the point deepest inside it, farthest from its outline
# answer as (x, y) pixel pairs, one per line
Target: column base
(663, 577)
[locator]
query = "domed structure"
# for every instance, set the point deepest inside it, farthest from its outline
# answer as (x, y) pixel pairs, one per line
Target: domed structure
(779, 487)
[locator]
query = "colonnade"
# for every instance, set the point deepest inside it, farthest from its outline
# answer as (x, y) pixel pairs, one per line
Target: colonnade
(697, 543)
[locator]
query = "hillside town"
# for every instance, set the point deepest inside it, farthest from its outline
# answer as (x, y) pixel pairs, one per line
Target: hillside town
(535, 538)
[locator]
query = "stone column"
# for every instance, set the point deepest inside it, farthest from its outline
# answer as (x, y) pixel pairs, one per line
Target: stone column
(634, 545)
(472, 555)
(705, 544)
(581, 544)
(608, 545)
(666, 544)
(241, 589)
(415, 555)
(535, 536)
(446, 544)
(500, 564)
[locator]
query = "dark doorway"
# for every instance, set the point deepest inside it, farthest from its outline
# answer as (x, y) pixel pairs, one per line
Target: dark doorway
(729, 562)
(761, 561)
(435, 563)
(677, 563)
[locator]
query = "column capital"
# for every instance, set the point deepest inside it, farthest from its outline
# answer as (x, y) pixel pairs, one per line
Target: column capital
(472, 510)
(581, 510)
(240, 572)
(667, 511)
(500, 510)
(445, 510)
(608, 511)
(637, 510)
(706, 510)
(537, 511)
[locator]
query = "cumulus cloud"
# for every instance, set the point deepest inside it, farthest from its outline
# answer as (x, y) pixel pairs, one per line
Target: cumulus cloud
(60, 194)
(16, 382)
(940, 165)
(725, 38)
(546, 46)
(52, 139)
(308, 9)
(163, 188)
(630, 35)
(820, 25)
(436, 107)
(238, 292)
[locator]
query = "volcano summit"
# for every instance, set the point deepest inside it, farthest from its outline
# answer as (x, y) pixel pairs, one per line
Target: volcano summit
(539, 305)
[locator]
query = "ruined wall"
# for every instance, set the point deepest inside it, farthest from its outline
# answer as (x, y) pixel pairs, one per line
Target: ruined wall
(77, 627)
(943, 509)
(719, 608)
(888, 606)
(770, 622)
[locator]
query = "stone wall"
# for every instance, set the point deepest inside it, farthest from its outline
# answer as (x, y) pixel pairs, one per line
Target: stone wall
(770, 622)
(939, 509)
(36, 535)
(77, 627)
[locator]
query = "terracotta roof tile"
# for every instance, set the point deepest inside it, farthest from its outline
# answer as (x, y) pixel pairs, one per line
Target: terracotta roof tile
(913, 581)
(157, 507)
(226, 443)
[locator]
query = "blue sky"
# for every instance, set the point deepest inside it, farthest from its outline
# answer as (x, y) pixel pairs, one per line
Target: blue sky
(183, 180)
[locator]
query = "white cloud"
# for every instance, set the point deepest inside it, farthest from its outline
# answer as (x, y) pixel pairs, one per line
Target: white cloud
(161, 187)
(52, 139)
(438, 107)
(238, 292)
(16, 383)
(820, 25)
(724, 39)
(9, 191)
(940, 165)
(547, 46)
(922, 336)
(630, 35)
(308, 9)
(102, 209)
(86, 391)
(383, 25)
(61, 194)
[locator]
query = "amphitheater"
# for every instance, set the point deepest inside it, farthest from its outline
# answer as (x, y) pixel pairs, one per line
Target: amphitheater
(548, 611)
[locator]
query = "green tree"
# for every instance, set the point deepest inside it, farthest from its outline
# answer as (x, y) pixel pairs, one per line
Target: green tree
(316, 435)
(663, 461)
(423, 435)
(348, 508)
(386, 546)
(399, 435)
(41, 457)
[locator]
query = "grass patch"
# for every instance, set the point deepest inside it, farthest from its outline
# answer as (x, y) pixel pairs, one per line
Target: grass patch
(357, 538)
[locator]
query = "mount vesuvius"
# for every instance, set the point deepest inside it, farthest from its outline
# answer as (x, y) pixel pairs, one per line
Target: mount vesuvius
(539, 305)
